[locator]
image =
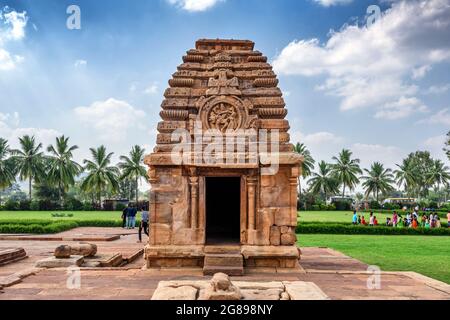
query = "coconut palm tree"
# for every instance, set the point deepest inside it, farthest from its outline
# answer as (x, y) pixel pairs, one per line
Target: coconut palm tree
(438, 174)
(345, 170)
(307, 164)
(447, 144)
(101, 176)
(406, 176)
(7, 175)
(378, 179)
(62, 169)
(323, 181)
(29, 160)
(132, 167)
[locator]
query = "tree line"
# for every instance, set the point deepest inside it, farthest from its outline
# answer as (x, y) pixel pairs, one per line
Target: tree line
(55, 167)
(415, 176)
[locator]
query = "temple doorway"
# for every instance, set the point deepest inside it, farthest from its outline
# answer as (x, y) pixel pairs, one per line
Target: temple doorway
(223, 203)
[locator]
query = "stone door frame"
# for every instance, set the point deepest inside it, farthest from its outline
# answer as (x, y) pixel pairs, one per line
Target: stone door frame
(248, 178)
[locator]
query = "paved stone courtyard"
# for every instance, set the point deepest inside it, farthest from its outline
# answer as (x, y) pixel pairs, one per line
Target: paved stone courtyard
(337, 275)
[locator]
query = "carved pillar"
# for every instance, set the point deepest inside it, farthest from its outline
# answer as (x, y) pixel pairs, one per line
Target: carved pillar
(193, 182)
(293, 183)
(251, 196)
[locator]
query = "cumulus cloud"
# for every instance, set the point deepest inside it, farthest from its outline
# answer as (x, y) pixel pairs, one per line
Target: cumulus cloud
(112, 118)
(151, 89)
(80, 63)
(375, 66)
(402, 108)
(12, 28)
(438, 89)
(194, 5)
(329, 3)
(11, 130)
(441, 117)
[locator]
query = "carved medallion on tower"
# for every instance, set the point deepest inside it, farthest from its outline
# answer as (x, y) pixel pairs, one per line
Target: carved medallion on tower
(225, 113)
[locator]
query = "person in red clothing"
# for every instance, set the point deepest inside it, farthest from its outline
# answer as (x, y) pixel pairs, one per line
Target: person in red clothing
(375, 221)
(363, 221)
(415, 224)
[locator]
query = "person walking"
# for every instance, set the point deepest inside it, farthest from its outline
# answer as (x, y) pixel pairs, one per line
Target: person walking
(124, 216)
(144, 223)
(131, 217)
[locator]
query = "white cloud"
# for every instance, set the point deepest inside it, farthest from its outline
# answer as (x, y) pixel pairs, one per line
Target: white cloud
(12, 28)
(369, 153)
(80, 63)
(402, 108)
(10, 129)
(440, 117)
(112, 118)
(329, 3)
(438, 89)
(151, 89)
(194, 5)
(435, 146)
(15, 23)
(420, 72)
(373, 66)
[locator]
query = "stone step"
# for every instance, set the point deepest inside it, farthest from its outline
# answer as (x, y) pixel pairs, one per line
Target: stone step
(224, 249)
(229, 260)
(231, 271)
(11, 255)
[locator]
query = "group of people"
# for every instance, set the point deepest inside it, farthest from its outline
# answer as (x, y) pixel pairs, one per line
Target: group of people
(411, 220)
(129, 219)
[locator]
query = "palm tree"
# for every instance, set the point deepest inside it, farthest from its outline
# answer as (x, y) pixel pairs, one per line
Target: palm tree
(406, 176)
(307, 164)
(62, 170)
(101, 175)
(323, 181)
(378, 180)
(29, 160)
(132, 167)
(345, 170)
(438, 174)
(7, 175)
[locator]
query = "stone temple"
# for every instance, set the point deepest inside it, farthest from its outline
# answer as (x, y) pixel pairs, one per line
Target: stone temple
(223, 173)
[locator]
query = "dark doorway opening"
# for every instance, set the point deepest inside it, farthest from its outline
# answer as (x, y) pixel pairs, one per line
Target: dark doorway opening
(223, 206)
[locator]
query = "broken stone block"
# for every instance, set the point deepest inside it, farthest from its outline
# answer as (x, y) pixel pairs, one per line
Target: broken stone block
(84, 249)
(300, 290)
(62, 252)
(175, 293)
(267, 294)
(275, 236)
(53, 262)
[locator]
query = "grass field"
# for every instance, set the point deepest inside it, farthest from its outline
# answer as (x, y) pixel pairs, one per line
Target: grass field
(337, 216)
(423, 254)
(77, 215)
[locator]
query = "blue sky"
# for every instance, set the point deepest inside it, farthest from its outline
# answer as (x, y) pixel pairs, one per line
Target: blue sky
(382, 91)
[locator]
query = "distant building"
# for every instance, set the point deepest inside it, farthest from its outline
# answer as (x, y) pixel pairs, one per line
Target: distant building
(401, 201)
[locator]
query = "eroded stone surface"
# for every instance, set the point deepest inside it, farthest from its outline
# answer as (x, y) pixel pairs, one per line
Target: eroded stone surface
(176, 293)
(53, 262)
(299, 290)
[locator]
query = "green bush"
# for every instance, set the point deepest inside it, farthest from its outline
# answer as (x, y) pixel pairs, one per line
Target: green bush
(341, 228)
(87, 206)
(374, 205)
(391, 206)
(342, 205)
(120, 206)
(34, 205)
(72, 204)
(12, 205)
(51, 226)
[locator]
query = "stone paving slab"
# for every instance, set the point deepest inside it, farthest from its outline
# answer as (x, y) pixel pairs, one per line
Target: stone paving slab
(338, 276)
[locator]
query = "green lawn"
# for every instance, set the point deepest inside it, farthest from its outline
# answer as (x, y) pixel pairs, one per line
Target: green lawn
(77, 215)
(423, 254)
(337, 216)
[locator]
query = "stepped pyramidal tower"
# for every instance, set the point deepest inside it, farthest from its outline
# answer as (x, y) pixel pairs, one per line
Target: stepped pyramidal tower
(223, 173)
